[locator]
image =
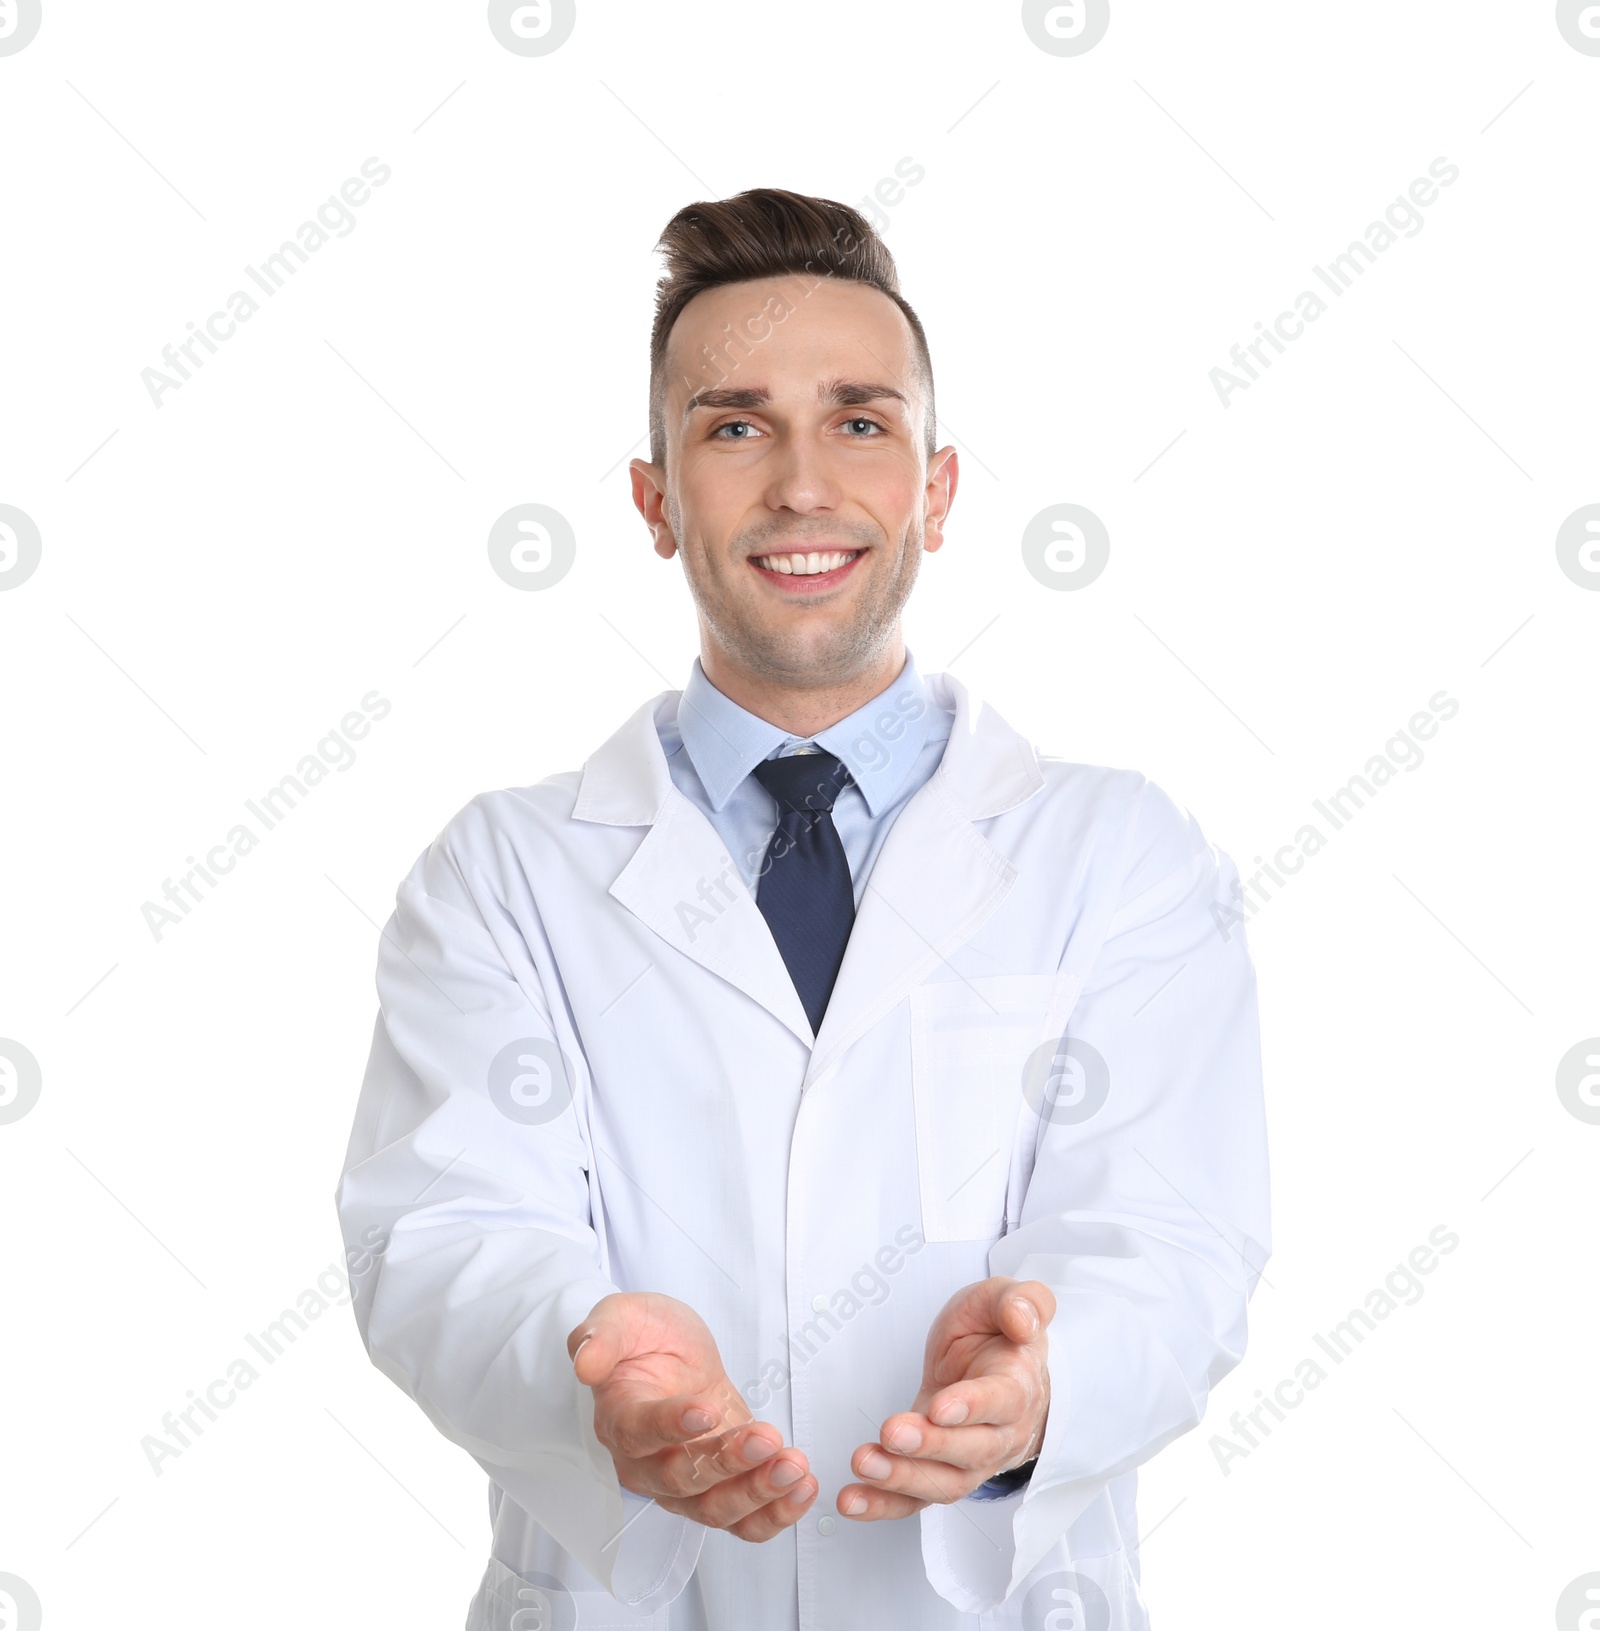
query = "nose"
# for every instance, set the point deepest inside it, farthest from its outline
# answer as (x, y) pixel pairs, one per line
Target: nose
(801, 479)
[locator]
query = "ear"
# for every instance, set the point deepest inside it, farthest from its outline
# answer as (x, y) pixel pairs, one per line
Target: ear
(650, 499)
(944, 475)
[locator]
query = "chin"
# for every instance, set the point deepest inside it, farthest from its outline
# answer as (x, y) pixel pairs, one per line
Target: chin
(810, 653)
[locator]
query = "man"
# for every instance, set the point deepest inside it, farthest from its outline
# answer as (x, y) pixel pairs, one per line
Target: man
(822, 1111)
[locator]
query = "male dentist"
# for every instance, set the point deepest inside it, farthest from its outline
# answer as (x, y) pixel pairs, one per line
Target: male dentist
(812, 1155)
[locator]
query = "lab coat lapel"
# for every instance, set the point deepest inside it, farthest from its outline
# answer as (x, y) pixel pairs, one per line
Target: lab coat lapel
(681, 881)
(937, 879)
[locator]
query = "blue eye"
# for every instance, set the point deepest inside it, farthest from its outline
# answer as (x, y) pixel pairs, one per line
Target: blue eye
(744, 424)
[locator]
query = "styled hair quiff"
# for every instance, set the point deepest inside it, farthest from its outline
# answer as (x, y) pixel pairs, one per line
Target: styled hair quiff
(768, 233)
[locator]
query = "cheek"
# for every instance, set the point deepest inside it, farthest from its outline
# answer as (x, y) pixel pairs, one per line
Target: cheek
(893, 495)
(710, 495)
(892, 503)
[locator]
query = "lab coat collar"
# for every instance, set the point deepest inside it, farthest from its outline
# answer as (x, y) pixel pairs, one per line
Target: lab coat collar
(935, 882)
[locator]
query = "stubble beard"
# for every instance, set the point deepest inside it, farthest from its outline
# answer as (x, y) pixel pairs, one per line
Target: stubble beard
(817, 654)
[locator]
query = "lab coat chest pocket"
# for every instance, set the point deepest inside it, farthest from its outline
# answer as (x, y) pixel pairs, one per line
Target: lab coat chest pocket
(970, 1044)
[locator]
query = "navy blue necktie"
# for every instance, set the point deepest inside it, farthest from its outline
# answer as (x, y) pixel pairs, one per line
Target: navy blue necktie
(804, 891)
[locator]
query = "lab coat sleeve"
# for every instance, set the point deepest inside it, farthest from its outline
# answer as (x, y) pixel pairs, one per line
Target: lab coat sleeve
(1147, 1214)
(469, 1230)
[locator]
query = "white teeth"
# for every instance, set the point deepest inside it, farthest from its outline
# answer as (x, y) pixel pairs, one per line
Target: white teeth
(806, 566)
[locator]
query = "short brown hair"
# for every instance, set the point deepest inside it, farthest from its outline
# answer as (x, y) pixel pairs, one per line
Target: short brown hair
(766, 233)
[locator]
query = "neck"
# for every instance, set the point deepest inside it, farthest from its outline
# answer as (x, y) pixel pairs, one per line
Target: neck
(801, 710)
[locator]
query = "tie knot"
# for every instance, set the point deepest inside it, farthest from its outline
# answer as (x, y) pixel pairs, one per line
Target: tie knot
(806, 783)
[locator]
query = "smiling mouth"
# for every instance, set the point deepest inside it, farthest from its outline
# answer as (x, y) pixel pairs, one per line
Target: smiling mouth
(814, 564)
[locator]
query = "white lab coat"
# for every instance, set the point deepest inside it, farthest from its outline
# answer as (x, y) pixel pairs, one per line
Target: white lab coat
(815, 1199)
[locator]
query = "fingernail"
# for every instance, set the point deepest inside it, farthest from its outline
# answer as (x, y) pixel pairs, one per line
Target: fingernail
(874, 1464)
(785, 1474)
(699, 1421)
(757, 1448)
(1033, 1316)
(906, 1439)
(855, 1506)
(798, 1497)
(952, 1413)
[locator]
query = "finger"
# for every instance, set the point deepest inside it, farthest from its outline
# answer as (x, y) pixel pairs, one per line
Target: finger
(1017, 1310)
(972, 1449)
(1024, 1309)
(867, 1504)
(687, 1469)
(736, 1499)
(748, 1446)
(927, 1481)
(992, 1400)
(635, 1428)
(778, 1515)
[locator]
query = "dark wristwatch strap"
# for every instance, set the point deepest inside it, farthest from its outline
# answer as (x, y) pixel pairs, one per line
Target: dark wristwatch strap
(1005, 1483)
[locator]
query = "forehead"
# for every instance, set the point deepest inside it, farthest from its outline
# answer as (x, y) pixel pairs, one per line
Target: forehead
(794, 331)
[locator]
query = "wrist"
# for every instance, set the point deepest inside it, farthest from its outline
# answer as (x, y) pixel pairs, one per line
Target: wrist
(1010, 1479)
(1005, 1483)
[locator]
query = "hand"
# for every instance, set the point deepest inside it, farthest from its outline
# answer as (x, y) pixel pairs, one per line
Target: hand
(982, 1408)
(676, 1427)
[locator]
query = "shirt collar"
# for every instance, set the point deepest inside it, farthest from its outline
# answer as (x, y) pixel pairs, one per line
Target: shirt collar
(878, 743)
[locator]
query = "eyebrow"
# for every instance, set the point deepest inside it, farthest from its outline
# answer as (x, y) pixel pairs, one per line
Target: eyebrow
(837, 393)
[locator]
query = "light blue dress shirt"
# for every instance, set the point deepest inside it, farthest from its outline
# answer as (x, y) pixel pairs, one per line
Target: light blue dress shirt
(891, 746)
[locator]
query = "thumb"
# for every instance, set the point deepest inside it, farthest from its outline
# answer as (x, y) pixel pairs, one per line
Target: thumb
(1022, 1309)
(974, 1311)
(601, 1342)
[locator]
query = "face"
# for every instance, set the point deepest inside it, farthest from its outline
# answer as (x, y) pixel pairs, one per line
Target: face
(797, 488)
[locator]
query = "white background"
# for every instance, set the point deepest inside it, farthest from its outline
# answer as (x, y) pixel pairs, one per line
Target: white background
(305, 520)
